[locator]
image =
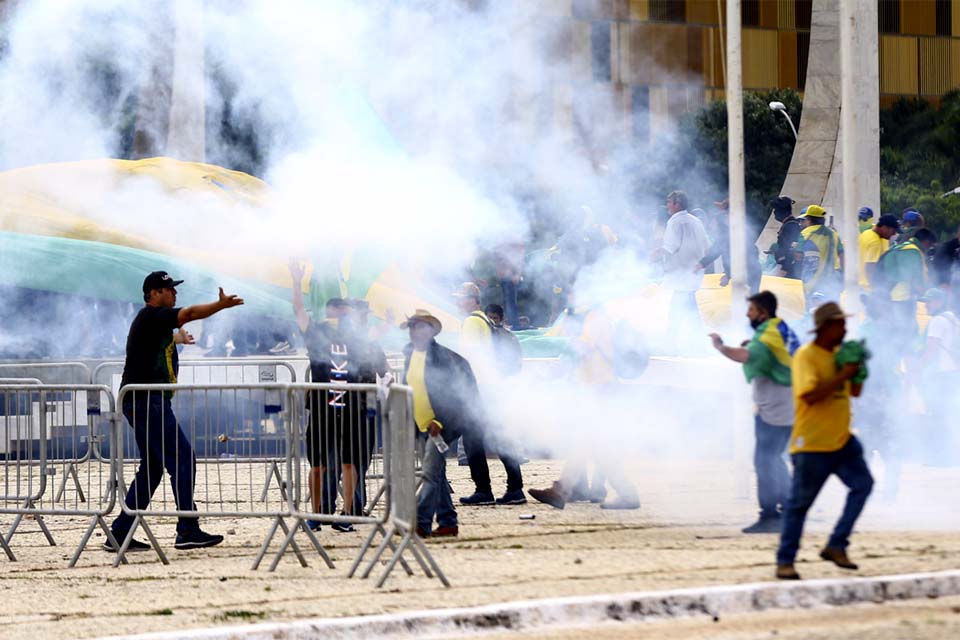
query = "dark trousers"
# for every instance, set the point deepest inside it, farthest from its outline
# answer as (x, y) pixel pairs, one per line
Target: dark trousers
(810, 472)
(162, 445)
(480, 472)
(773, 478)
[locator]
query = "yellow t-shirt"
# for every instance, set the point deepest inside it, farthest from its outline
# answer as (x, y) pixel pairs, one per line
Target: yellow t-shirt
(825, 425)
(423, 413)
(872, 246)
(475, 333)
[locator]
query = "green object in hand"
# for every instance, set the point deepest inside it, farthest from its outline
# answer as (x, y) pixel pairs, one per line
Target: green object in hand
(854, 352)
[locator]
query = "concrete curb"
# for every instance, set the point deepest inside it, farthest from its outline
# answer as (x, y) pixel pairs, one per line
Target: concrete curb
(580, 611)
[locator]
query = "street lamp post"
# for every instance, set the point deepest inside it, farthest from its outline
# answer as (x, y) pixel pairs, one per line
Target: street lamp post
(779, 106)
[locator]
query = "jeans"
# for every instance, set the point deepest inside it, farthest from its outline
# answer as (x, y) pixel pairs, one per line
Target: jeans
(162, 445)
(773, 478)
(434, 498)
(810, 472)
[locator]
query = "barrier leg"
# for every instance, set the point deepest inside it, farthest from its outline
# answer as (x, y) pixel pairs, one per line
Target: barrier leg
(266, 543)
(28, 504)
(137, 522)
(378, 528)
(71, 473)
(97, 520)
(7, 550)
(316, 544)
(375, 499)
(379, 552)
(288, 541)
(417, 542)
(273, 473)
(404, 543)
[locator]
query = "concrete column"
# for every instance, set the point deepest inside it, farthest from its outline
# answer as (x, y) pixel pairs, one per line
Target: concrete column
(860, 126)
(186, 136)
(738, 226)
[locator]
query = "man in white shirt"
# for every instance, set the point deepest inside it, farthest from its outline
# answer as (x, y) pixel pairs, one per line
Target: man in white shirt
(684, 245)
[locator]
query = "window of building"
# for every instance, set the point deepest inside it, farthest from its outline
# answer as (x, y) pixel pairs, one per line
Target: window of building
(803, 13)
(600, 51)
(668, 10)
(944, 17)
(750, 12)
(888, 13)
(803, 50)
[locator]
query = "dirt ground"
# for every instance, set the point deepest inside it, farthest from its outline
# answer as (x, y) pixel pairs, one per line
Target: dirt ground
(686, 534)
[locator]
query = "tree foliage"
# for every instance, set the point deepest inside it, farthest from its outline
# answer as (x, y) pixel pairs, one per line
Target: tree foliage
(920, 160)
(768, 145)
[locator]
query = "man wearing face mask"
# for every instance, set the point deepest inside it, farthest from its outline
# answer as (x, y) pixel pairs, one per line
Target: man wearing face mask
(766, 363)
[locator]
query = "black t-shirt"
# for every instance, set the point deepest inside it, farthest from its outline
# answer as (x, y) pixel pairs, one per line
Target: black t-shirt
(151, 352)
(336, 356)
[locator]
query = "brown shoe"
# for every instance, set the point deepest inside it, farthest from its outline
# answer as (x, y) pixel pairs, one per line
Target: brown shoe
(787, 572)
(423, 533)
(551, 496)
(446, 532)
(838, 557)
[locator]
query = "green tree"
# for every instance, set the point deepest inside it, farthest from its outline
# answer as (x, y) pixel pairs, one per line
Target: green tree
(768, 146)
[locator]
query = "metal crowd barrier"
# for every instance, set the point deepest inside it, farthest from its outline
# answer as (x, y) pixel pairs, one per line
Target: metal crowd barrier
(210, 371)
(45, 431)
(48, 372)
(318, 427)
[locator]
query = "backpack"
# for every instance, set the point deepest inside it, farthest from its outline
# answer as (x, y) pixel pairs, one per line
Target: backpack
(506, 348)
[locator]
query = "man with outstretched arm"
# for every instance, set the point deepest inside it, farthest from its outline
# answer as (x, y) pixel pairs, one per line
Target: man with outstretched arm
(152, 359)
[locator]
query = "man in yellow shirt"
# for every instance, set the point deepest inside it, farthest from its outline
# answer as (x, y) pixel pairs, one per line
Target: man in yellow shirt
(446, 406)
(821, 443)
(874, 242)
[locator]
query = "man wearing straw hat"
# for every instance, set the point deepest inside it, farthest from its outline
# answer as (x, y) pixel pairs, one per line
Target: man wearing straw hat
(446, 406)
(821, 444)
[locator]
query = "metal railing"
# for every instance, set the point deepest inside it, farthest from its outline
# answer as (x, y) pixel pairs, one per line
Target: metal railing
(71, 372)
(45, 432)
(63, 452)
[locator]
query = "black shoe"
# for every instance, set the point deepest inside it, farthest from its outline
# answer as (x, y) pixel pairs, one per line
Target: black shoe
(478, 499)
(197, 540)
(313, 525)
(513, 497)
(343, 527)
(764, 525)
(135, 545)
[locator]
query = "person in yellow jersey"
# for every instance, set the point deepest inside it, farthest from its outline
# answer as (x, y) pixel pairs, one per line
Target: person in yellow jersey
(446, 406)
(821, 250)
(477, 346)
(821, 443)
(874, 242)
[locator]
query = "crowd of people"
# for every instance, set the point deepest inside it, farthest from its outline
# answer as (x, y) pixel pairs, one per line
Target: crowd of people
(802, 392)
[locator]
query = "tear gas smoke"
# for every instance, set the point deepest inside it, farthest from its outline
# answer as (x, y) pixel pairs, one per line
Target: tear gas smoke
(416, 132)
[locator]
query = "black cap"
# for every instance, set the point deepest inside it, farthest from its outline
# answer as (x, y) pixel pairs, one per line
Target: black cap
(782, 203)
(889, 220)
(159, 280)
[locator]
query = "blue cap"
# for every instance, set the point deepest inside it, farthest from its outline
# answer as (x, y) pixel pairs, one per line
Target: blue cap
(803, 212)
(911, 215)
(865, 213)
